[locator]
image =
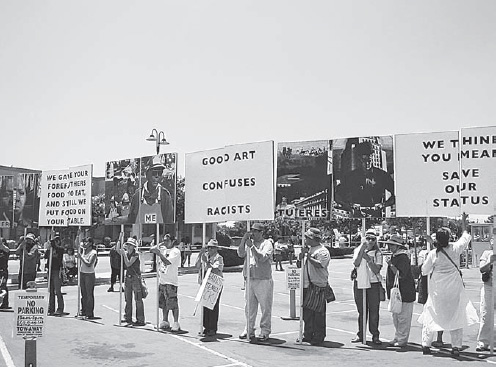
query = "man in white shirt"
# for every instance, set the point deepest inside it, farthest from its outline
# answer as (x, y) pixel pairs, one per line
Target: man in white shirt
(168, 269)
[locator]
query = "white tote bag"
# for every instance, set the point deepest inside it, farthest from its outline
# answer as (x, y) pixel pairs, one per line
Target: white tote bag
(395, 302)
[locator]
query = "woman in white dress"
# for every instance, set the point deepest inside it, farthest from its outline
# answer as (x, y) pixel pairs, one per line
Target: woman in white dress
(447, 307)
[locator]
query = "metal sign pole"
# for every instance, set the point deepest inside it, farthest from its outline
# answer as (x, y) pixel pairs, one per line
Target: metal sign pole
(202, 271)
(78, 249)
(248, 287)
(303, 264)
(121, 270)
(157, 303)
(364, 299)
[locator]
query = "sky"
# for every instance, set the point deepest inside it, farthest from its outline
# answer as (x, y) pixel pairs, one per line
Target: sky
(86, 81)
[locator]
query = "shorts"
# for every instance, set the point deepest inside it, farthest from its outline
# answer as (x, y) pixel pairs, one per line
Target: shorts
(167, 297)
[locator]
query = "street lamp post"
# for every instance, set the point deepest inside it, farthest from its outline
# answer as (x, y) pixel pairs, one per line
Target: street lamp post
(158, 138)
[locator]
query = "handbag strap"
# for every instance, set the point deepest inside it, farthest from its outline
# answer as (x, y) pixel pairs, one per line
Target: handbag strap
(450, 259)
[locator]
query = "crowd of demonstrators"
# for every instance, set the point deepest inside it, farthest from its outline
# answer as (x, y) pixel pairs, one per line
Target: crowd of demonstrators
(168, 272)
(54, 256)
(315, 272)
(88, 260)
(132, 284)
(399, 266)
(258, 250)
(115, 264)
(209, 258)
(448, 307)
(486, 294)
(368, 260)
(4, 274)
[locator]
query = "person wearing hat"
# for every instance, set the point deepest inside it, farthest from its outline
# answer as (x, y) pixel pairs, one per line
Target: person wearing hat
(28, 255)
(211, 259)
(132, 283)
(399, 265)
(168, 275)
(54, 255)
(153, 198)
(447, 306)
(4, 274)
(261, 290)
(316, 272)
(89, 258)
(367, 259)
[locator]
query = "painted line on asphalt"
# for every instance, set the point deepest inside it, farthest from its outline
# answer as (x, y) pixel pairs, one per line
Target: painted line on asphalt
(5, 354)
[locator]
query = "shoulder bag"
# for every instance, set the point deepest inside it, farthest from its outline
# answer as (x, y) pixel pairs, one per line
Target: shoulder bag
(316, 297)
(395, 302)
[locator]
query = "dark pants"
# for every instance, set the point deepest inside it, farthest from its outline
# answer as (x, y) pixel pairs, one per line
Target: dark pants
(87, 283)
(4, 275)
(315, 324)
(28, 277)
(55, 291)
(116, 273)
(211, 317)
(372, 312)
(132, 286)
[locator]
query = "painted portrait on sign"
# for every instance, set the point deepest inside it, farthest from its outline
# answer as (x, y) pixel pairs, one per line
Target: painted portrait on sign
(121, 184)
(7, 200)
(154, 202)
(303, 179)
(363, 177)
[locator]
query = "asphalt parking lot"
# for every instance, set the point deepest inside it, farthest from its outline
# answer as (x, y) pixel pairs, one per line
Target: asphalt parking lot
(72, 342)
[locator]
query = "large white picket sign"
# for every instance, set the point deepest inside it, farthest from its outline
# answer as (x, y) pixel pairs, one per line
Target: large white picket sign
(426, 174)
(478, 170)
(231, 183)
(66, 197)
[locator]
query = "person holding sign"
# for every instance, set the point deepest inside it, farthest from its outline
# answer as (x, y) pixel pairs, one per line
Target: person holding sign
(168, 273)
(211, 259)
(367, 259)
(89, 259)
(4, 274)
(132, 284)
(261, 290)
(153, 198)
(28, 255)
(447, 306)
(486, 313)
(400, 264)
(315, 272)
(54, 262)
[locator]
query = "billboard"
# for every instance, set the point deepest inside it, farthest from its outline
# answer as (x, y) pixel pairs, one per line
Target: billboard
(141, 190)
(231, 183)
(363, 174)
(303, 180)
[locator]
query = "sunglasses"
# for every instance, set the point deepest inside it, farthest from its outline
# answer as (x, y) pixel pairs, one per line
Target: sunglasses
(370, 238)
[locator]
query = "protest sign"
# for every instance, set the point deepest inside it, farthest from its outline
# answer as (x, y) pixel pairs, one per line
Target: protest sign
(477, 170)
(30, 311)
(363, 174)
(66, 197)
(231, 183)
(210, 290)
(426, 174)
(303, 179)
(293, 276)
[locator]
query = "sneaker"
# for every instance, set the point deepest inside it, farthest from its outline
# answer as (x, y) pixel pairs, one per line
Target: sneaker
(376, 341)
(111, 289)
(437, 344)
(175, 326)
(139, 323)
(244, 335)
(455, 351)
(262, 338)
(303, 340)
(481, 347)
(426, 351)
(356, 339)
(164, 325)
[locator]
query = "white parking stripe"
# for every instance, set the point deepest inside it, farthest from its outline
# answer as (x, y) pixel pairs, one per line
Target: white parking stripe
(5, 354)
